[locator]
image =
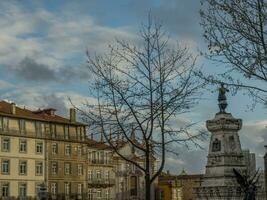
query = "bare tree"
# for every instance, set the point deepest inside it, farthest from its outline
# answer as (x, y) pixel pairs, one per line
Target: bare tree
(143, 88)
(236, 32)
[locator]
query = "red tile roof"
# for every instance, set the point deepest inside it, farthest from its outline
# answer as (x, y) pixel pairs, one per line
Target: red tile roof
(40, 115)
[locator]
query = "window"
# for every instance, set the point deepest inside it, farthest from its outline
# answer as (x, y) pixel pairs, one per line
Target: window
(80, 189)
(54, 188)
(67, 149)
(1, 123)
(23, 146)
(5, 190)
(22, 128)
(5, 123)
(5, 166)
(39, 147)
(80, 169)
(79, 151)
(54, 148)
(101, 157)
(98, 174)
(90, 194)
(93, 157)
(22, 190)
(98, 194)
(107, 176)
(67, 188)
(107, 193)
(53, 131)
(54, 168)
(5, 144)
(39, 168)
(23, 167)
(66, 132)
(38, 129)
(67, 168)
(90, 175)
(107, 158)
(90, 156)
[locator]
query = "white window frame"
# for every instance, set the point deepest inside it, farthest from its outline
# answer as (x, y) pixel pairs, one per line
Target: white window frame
(5, 190)
(6, 144)
(23, 167)
(39, 168)
(22, 190)
(5, 166)
(39, 147)
(23, 146)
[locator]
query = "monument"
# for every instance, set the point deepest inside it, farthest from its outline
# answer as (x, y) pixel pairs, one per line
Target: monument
(225, 153)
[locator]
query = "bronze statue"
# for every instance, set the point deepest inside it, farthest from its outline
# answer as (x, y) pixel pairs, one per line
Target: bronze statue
(248, 185)
(222, 98)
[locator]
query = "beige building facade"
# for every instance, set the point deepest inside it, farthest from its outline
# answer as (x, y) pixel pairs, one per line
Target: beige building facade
(22, 154)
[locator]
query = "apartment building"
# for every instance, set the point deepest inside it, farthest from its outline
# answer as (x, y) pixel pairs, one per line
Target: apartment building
(22, 152)
(66, 156)
(40, 147)
(100, 171)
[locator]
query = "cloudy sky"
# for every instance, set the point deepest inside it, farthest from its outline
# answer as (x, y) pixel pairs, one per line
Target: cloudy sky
(43, 62)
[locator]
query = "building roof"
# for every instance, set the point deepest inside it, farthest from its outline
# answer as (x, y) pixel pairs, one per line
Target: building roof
(165, 176)
(40, 115)
(98, 145)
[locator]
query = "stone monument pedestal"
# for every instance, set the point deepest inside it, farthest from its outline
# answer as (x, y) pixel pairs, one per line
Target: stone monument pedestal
(225, 153)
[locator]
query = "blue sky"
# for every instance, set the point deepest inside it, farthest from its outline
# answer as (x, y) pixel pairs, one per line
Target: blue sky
(43, 62)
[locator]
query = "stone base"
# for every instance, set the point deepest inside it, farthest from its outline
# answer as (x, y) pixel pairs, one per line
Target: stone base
(223, 193)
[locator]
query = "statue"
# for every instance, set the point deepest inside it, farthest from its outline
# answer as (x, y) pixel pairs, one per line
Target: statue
(248, 185)
(222, 98)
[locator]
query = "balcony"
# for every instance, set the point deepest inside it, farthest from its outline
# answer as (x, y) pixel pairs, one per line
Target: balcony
(101, 182)
(43, 135)
(101, 162)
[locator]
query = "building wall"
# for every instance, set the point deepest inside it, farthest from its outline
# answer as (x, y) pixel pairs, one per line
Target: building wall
(181, 187)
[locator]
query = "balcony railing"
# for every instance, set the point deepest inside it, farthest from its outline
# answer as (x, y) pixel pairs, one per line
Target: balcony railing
(101, 162)
(43, 135)
(101, 181)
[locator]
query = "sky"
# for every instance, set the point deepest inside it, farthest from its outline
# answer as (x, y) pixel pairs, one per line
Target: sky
(43, 59)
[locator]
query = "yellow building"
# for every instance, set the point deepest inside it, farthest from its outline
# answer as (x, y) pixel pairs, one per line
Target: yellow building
(181, 187)
(22, 152)
(41, 147)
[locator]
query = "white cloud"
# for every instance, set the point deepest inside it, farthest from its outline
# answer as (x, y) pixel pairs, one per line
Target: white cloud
(50, 38)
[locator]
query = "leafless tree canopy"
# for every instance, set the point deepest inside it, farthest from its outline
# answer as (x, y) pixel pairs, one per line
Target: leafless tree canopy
(235, 31)
(142, 89)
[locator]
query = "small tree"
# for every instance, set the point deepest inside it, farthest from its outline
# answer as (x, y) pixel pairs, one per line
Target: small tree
(236, 32)
(143, 88)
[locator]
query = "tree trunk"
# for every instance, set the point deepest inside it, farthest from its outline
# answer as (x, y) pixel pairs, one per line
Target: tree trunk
(147, 186)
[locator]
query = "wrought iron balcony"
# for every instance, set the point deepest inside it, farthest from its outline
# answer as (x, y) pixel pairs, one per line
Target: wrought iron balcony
(101, 182)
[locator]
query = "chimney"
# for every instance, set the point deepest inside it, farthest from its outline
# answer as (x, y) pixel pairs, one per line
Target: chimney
(13, 108)
(72, 115)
